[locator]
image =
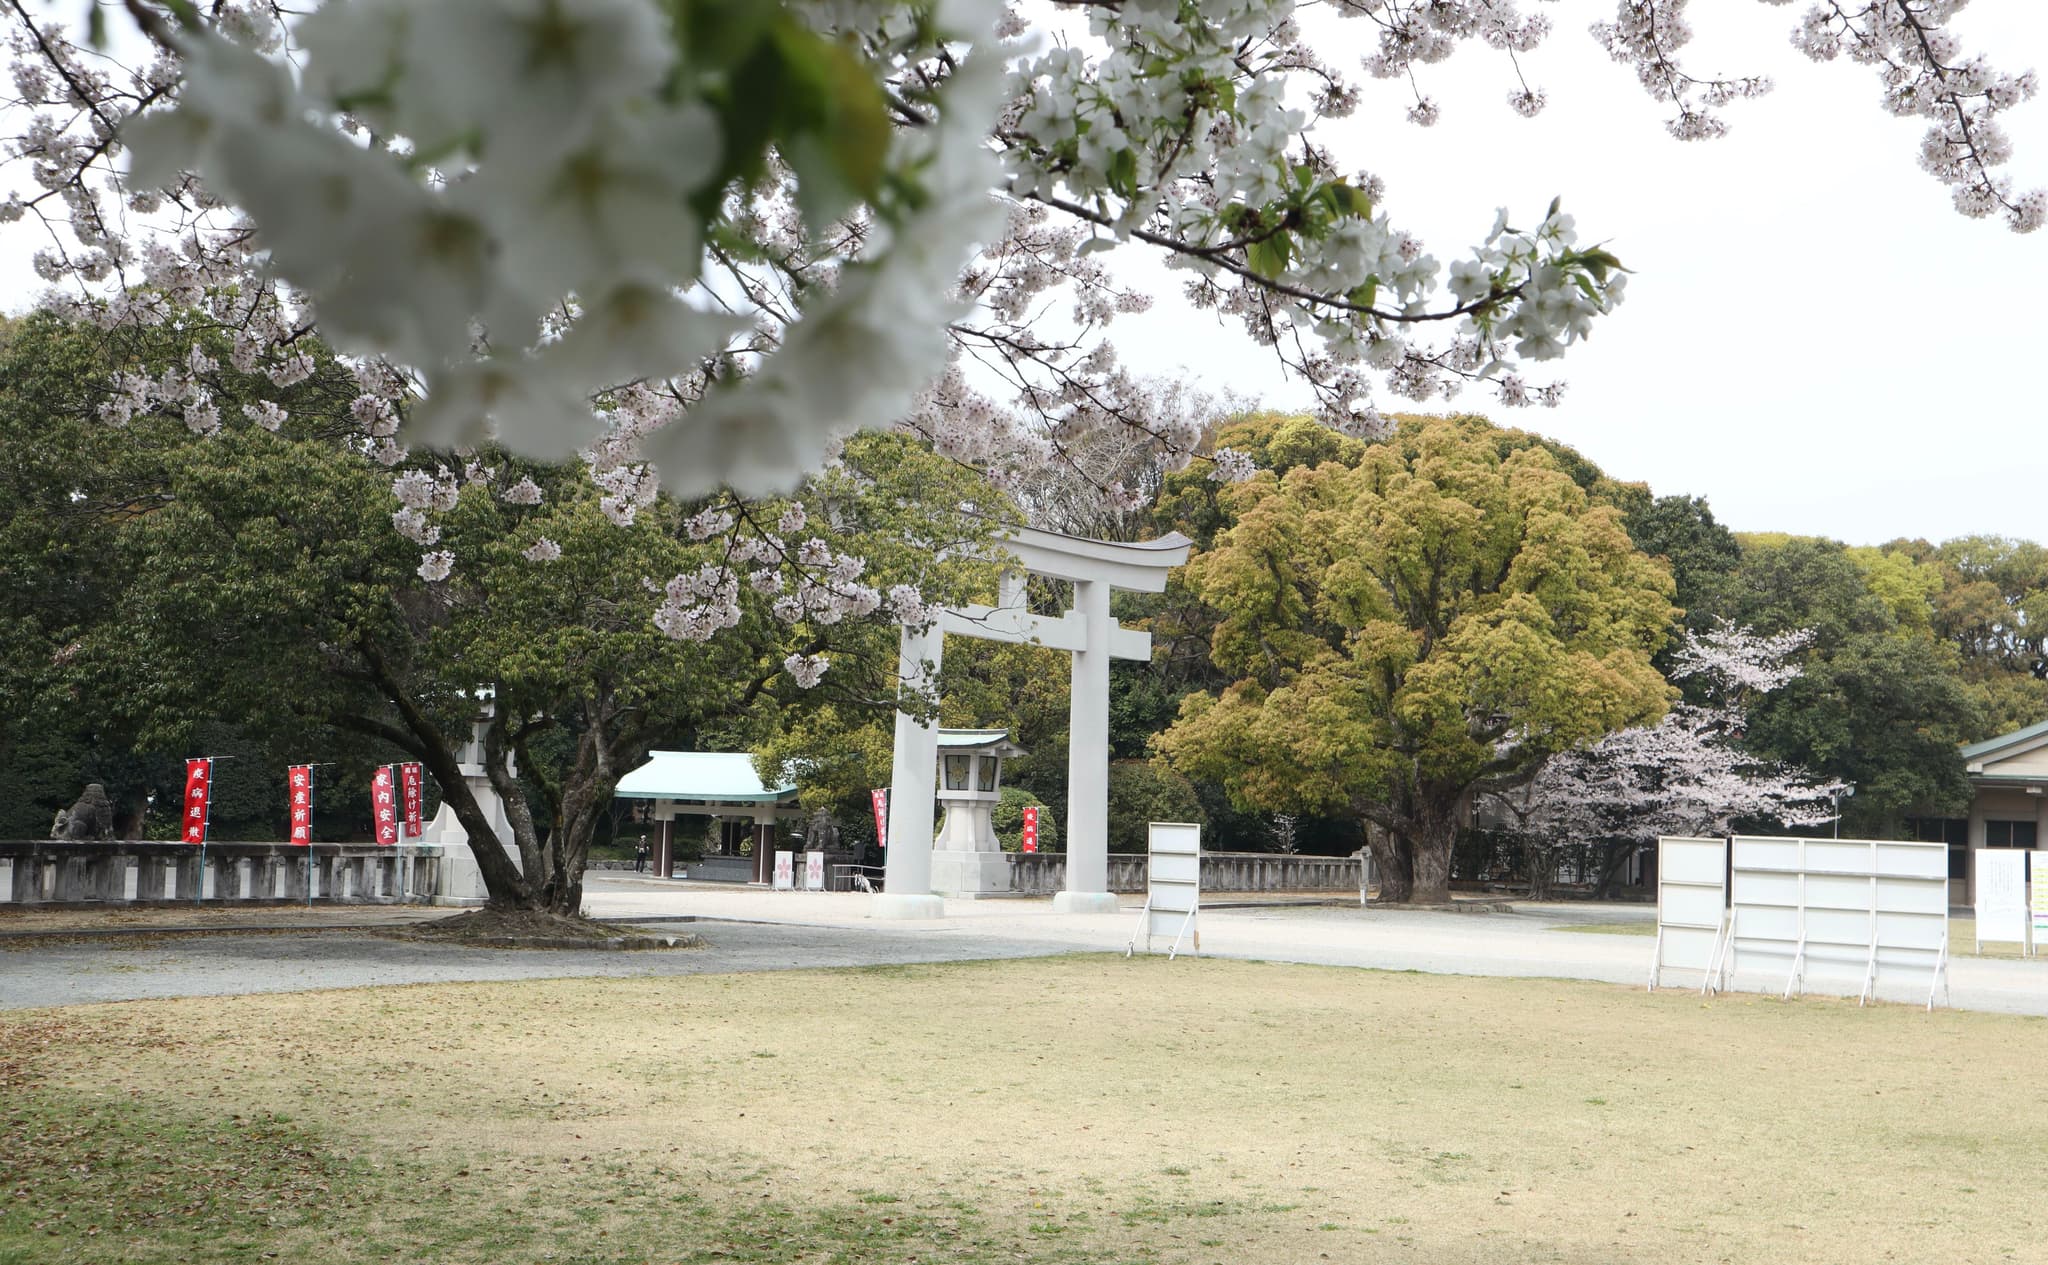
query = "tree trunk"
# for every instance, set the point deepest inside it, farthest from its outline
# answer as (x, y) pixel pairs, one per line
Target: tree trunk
(1617, 859)
(1432, 869)
(1392, 861)
(1436, 817)
(1540, 861)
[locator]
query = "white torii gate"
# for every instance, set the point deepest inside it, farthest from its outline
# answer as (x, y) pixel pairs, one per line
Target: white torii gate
(1094, 567)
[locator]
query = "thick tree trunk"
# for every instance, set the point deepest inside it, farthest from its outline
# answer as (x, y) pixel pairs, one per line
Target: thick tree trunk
(1392, 861)
(1432, 869)
(1436, 817)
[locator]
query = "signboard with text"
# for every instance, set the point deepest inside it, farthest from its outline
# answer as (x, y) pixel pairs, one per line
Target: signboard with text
(2038, 861)
(2001, 895)
(299, 781)
(198, 797)
(881, 801)
(411, 797)
(1030, 843)
(384, 806)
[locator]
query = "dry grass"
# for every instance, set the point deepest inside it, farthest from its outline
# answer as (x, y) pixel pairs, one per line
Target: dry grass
(1100, 1110)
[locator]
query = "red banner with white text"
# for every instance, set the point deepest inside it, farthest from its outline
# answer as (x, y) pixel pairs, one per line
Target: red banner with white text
(1030, 828)
(412, 795)
(384, 806)
(881, 799)
(299, 778)
(198, 797)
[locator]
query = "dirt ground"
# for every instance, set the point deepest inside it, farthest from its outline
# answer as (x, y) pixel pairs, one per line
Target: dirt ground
(1193, 1111)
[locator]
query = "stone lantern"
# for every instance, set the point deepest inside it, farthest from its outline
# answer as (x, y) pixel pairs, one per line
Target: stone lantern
(967, 859)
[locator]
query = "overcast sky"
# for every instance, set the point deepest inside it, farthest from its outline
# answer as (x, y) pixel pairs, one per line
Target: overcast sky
(1813, 339)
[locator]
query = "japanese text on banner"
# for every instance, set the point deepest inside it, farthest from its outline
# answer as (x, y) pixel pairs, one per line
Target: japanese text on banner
(881, 799)
(384, 806)
(299, 779)
(198, 794)
(412, 793)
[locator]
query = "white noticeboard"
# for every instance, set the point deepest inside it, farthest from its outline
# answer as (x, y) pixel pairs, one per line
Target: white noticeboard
(1692, 902)
(1835, 911)
(2001, 902)
(1173, 887)
(785, 871)
(814, 871)
(2038, 862)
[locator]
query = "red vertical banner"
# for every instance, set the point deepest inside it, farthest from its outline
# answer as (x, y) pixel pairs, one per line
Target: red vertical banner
(1030, 828)
(881, 799)
(299, 778)
(384, 806)
(412, 795)
(198, 797)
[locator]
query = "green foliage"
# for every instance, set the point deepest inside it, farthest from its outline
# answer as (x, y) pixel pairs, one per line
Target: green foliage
(1446, 612)
(1142, 792)
(1883, 704)
(777, 85)
(1008, 819)
(1701, 553)
(1884, 713)
(1906, 587)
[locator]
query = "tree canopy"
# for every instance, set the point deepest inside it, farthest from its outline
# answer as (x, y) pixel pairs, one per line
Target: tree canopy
(1412, 630)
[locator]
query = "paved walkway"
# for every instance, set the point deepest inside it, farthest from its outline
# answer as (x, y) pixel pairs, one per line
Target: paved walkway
(753, 929)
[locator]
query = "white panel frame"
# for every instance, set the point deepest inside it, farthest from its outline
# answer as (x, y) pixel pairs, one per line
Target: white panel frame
(785, 870)
(2037, 871)
(1173, 886)
(1692, 907)
(1999, 896)
(1836, 907)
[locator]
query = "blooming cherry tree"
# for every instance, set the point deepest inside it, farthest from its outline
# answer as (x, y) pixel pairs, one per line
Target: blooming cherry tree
(1685, 775)
(698, 241)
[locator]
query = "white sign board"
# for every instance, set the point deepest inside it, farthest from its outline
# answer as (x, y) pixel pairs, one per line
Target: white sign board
(2001, 895)
(1692, 901)
(1173, 886)
(1830, 912)
(785, 871)
(814, 871)
(2039, 865)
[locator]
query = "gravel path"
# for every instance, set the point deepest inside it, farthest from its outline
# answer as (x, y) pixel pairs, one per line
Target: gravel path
(757, 930)
(68, 972)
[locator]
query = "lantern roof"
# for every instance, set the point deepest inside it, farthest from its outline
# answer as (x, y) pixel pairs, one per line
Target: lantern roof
(995, 742)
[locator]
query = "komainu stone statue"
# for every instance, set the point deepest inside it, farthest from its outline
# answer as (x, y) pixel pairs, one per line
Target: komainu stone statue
(92, 817)
(822, 835)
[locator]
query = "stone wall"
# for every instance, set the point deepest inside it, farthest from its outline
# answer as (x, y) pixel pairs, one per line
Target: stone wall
(50, 871)
(1043, 873)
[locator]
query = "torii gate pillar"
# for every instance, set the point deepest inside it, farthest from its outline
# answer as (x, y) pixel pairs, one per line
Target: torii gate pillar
(1094, 567)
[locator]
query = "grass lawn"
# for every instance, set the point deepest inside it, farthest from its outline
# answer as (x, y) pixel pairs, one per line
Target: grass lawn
(1087, 1111)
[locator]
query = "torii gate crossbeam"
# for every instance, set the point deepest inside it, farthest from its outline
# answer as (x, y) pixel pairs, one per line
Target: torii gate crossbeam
(1094, 567)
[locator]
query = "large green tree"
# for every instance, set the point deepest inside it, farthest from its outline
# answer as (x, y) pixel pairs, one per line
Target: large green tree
(252, 588)
(1882, 703)
(279, 592)
(1412, 630)
(71, 482)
